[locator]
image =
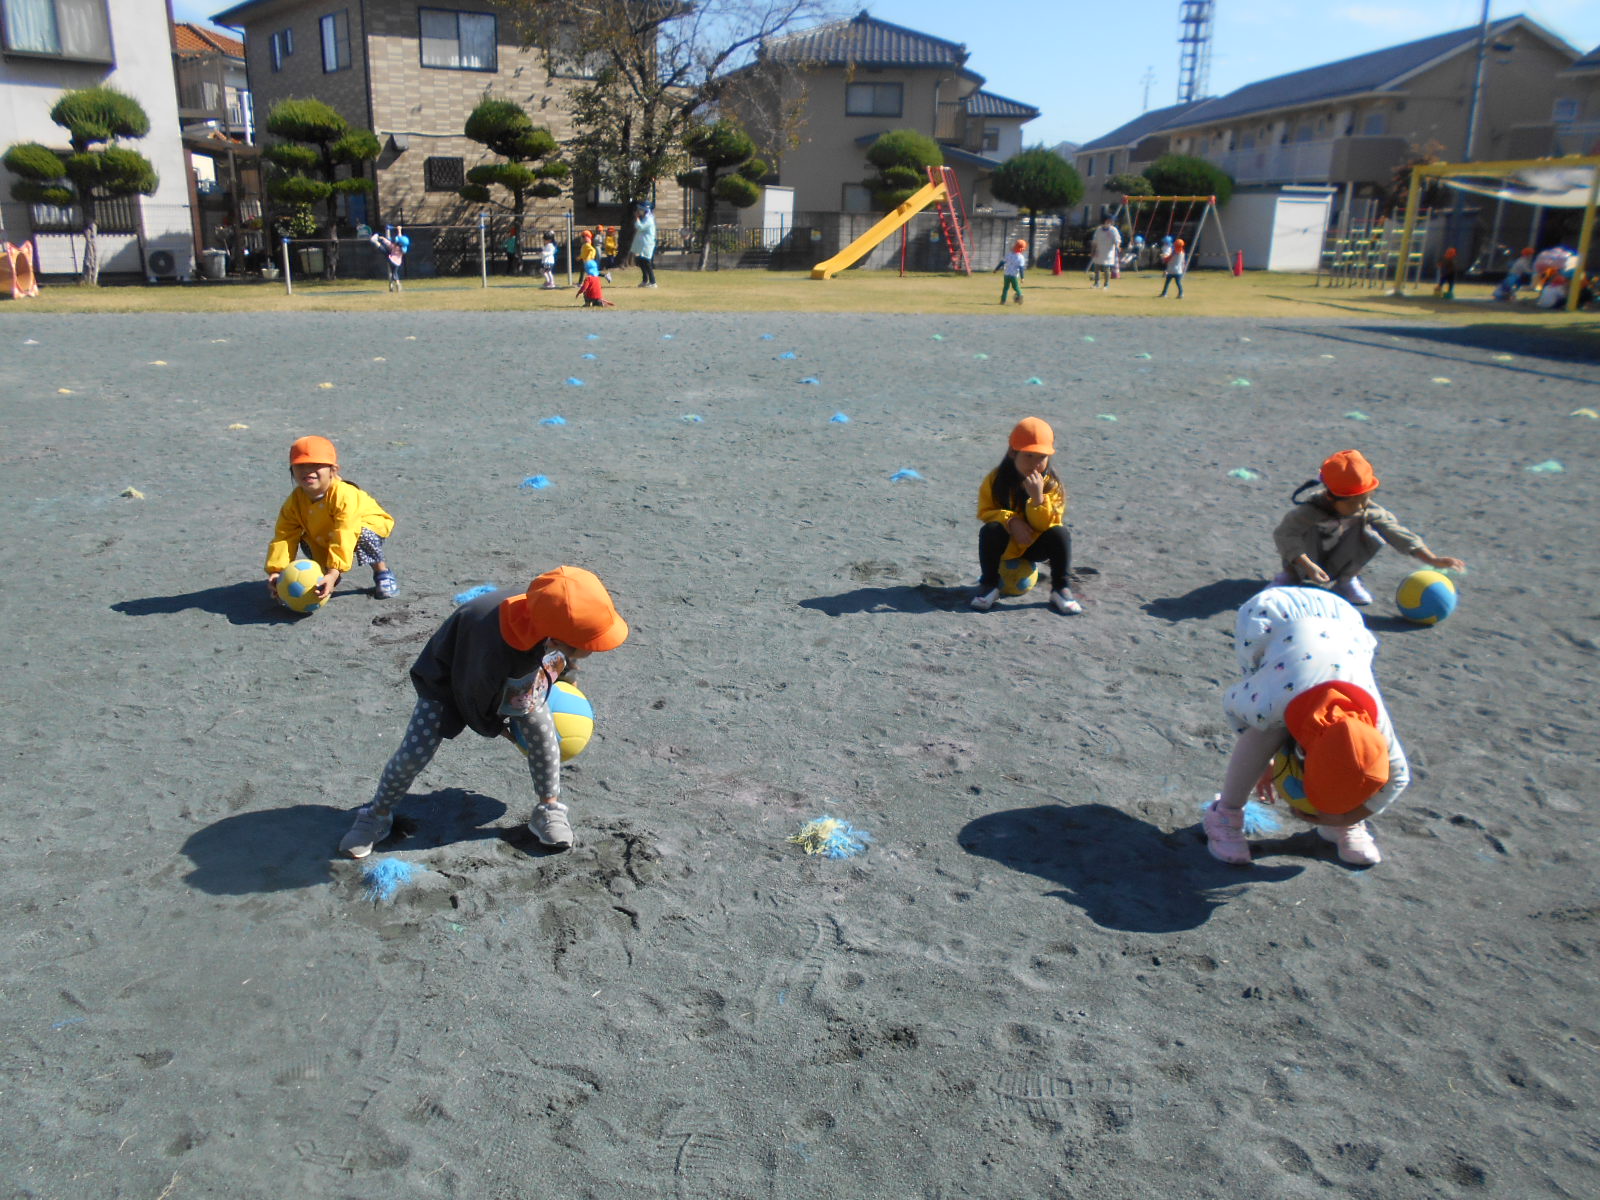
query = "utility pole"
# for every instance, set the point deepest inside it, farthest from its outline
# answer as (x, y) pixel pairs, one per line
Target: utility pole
(1148, 80)
(1458, 207)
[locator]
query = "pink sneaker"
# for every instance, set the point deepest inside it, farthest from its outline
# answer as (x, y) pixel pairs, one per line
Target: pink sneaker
(1225, 833)
(1355, 843)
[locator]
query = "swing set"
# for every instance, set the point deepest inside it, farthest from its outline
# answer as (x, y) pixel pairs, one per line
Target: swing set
(1208, 212)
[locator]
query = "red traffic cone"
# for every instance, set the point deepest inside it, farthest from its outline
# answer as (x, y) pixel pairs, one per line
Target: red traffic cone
(1056, 270)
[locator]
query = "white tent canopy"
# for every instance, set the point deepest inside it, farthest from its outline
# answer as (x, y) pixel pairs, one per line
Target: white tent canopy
(1549, 187)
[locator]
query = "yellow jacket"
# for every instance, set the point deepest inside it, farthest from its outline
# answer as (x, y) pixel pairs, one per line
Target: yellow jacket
(330, 526)
(1052, 510)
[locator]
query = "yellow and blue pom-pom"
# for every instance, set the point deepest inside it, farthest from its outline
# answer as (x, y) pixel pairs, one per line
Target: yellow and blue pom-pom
(831, 838)
(386, 877)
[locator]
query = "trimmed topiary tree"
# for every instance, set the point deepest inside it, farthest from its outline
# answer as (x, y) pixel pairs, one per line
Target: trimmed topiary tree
(528, 168)
(1130, 185)
(902, 157)
(1186, 175)
(1037, 180)
(729, 171)
(314, 142)
(92, 117)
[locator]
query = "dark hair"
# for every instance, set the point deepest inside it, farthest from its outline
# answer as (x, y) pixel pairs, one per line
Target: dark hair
(1007, 490)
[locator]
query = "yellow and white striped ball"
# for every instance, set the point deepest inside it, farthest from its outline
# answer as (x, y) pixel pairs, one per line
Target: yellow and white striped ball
(573, 716)
(1289, 778)
(1017, 576)
(297, 586)
(1426, 597)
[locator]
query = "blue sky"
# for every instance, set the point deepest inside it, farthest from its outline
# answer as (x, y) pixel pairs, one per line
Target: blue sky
(1083, 65)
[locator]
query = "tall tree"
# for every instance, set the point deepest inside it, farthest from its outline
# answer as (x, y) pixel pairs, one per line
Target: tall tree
(652, 67)
(902, 157)
(93, 117)
(529, 168)
(314, 143)
(721, 147)
(1038, 180)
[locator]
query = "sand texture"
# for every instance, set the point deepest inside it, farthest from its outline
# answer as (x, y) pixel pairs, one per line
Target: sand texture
(1035, 983)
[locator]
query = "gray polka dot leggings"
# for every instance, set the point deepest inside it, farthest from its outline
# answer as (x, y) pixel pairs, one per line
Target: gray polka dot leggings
(535, 735)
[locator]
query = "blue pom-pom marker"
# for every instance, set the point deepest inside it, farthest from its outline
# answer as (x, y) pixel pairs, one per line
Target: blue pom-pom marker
(693, 418)
(766, 337)
(534, 483)
(839, 418)
(588, 356)
(592, 337)
(472, 593)
(574, 381)
(386, 877)
(784, 355)
(903, 474)
(830, 837)
(1259, 819)
(552, 420)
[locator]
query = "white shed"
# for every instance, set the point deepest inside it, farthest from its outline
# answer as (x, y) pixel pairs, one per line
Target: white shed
(1281, 229)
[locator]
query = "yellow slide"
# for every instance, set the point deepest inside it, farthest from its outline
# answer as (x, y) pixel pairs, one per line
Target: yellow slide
(930, 194)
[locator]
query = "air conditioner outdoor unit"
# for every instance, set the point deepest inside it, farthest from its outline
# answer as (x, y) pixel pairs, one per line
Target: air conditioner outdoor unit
(170, 257)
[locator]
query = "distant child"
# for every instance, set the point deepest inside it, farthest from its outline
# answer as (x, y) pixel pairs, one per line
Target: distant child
(329, 520)
(1015, 263)
(1022, 503)
(1327, 538)
(489, 668)
(1307, 689)
(1174, 262)
(1105, 247)
(644, 242)
(394, 247)
(1519, 276)
(547, 260)
(589, 288)
(586, 251)
(1446, 287)
(608, 248)
(513, 249)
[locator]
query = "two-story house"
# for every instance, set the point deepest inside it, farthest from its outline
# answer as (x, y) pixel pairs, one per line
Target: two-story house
(218, 126)
(48, 47)
(845, 83)
(1352, 123)
(411, 71)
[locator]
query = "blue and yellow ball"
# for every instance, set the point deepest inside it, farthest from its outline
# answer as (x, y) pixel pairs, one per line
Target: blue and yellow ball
(297, 586)
(1289, 778)
(573, 716)
(1017, 576)
(1426, 597)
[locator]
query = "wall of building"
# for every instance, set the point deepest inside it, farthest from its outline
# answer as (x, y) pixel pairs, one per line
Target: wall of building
(29, 88)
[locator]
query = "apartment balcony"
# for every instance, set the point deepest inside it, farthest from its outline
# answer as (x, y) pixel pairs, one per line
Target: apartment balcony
(1329, 160)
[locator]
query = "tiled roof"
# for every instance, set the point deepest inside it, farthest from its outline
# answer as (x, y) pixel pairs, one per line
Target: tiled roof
(1141, 126)
(1589, 62)
(1356, 76)
(197, 39)
(865, 41)
(987, 104)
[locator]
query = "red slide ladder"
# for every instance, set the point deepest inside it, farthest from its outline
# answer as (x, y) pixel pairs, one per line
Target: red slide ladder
(952, 218)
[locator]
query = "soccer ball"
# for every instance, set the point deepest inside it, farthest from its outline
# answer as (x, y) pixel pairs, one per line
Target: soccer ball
(297, 586)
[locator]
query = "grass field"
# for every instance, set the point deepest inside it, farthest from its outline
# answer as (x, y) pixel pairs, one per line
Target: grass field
(1209, 294)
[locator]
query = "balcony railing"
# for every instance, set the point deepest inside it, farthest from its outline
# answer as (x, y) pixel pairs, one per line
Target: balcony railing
(1298, 162)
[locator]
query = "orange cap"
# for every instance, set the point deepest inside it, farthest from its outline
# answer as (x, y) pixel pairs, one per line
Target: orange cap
(1033, 436)
(1019, 245)
(1178, 243)
(1347, 759)
(568, 604)
(588, 235)
(1348, 473)
(312, 450)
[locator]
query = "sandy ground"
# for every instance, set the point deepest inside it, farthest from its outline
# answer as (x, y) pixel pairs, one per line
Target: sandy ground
(1035, 983)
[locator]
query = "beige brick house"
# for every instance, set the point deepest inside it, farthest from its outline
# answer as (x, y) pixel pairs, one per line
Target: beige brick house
(412, 71)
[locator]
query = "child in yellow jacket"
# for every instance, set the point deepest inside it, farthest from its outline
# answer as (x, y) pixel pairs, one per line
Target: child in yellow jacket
(1022, 503)
(329, 520)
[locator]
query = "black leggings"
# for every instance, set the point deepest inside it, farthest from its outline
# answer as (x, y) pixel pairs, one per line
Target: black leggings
(1054, 544)
(647, 269)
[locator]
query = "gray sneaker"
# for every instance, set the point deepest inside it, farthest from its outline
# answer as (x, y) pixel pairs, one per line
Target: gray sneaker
(984, 601)
(1352, 590)
(371, 827)
(550, 825)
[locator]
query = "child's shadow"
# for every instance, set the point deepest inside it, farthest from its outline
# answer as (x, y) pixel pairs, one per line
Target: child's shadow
(908, 598)
(281, 849)
(242, 603)
(1123, 872)
(1224, 595)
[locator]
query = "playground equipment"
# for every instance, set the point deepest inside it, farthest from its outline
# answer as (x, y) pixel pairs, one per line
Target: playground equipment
(1207, 213)
(1517, 180)
(942, 192)
(1368, 254)
(16, 271)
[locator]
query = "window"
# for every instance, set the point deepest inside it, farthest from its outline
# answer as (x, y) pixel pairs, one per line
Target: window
(1564, 111)
(857, 198)
(458, 41)
(1376, 124)
(444, 174)
(1088, 169)
(991, 137)
(75, 29)
(282, 46)
(872, 100)
(335, 42)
